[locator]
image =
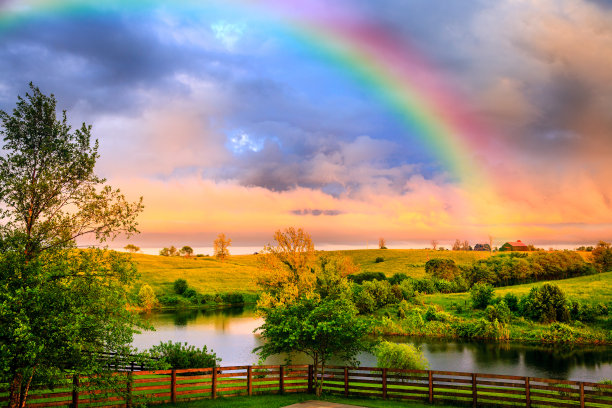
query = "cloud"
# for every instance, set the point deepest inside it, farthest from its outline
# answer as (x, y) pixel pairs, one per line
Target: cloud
(229, 34)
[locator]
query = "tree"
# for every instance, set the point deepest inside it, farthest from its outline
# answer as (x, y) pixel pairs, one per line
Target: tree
(481, 295)
(220, 247)
(457, 245)
(546, 303)
(58, 306)
(321, 329)
(490, 242)
(466, 246)
(131, 248)
(381, 243)
(602, 256)
(147, 298)
(180, 286)
(186, 251)
(442, 268)
(434, 244)
(287, 269)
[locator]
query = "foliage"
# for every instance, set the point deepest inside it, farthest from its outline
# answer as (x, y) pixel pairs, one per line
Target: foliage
(381, 243)
(500, 312)
(221, 245)
(401, 356)
(367, 276)
(512, 301)
(58, 305)
(331, 276)
(287, 269)
(321, 329)
(442, 268)
(180, 286)
(182, 355)
(171, 251)
(602, 256)
(132, 248)
(233, 298)
(379, 259)
(546, 303)
(481, 295)
(146, 297)
(397, 278)
(186, 251)
(363, 300)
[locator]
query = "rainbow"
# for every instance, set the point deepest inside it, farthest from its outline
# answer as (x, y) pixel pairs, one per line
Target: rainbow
(393, 72)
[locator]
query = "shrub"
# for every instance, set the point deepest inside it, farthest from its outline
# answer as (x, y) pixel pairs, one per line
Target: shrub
(500, 312)
(545, 304)
(402, 356)
(380, 291)
(233, 298)
(169, 300)
(398, 278)
(481, 295)
(379, 259)
(430, 314)
(559, 333)
(403, 309)
(146, 297)
(180, 355)
(407, 289)
(424, 285)
(190, 293)
(367, 276)
(180, 286)
(364, 301)
(442, 268)
(512, 301)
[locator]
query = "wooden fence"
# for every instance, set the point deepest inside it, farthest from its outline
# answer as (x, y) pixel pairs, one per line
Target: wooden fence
(471, 389)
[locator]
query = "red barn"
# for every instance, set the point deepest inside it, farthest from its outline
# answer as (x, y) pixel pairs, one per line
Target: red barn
(514, 246)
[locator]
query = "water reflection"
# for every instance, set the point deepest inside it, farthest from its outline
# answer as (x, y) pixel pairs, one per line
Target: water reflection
(229, 332)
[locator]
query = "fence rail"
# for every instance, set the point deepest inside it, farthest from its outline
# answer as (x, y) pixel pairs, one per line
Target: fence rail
(471, 389)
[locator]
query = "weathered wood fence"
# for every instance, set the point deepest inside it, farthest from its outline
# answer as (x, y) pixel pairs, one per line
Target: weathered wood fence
(471, 389)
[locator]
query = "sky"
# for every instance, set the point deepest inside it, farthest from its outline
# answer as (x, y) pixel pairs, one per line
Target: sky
(354, 119)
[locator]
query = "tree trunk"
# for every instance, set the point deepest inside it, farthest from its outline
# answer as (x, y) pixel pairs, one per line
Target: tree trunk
(320, 385)
(25, 389)
(15, 391)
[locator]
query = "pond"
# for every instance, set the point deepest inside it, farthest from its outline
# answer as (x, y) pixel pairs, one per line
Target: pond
(229, 333)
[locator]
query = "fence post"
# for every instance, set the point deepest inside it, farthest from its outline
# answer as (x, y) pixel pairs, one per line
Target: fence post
(527, 396)
(173, 387)
(430, 387)
(384, 383)
(281, 380)
(213, 390)
(346, 382)
(310, 375)
(75, 391)
(250, 380)
(128, 398)
(581, 394)
(474, 391)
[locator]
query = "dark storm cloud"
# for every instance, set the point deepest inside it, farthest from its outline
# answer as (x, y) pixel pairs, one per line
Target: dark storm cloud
(316, 212)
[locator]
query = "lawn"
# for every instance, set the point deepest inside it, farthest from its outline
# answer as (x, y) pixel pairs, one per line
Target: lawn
(591, 289)
(278, 401)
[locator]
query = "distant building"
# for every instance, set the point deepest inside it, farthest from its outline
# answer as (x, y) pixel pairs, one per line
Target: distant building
(482, 247)
(514, 246)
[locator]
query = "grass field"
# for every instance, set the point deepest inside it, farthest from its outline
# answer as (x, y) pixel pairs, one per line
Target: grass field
(591, 289)
(237, 274)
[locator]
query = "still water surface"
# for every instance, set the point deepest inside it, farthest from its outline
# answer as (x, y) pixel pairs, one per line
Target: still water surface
(229, 333)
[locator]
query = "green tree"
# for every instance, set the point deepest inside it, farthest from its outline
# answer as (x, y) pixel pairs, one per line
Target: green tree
(180, 286)
(131, 248)
(546, 303)
(146, 297)
(186, 251)
(481, 295)
(58, 306)
(182, 355)
(602, 256)
(321, 329)
(442, 268)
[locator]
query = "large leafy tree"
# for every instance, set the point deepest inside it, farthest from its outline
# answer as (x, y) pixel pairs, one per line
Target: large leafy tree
(59, 306)
(320, 328)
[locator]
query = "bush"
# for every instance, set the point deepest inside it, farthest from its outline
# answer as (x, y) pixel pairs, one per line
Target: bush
(397, 278)
(380, 291)
(180, 286)
(146, 297)
(442, 268)
(512, 301)
(379, 259)
(402, 356)
(169, 300)
(500, 312)
(364, 301)
(367, 276)
(407, 289)
(180, 355)
(233, 298)
(403, 309)
(424, 285)
(481, 295)
(190, 293)
(545, 304)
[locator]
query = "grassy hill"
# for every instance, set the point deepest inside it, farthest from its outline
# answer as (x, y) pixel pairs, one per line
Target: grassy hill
(237, 274)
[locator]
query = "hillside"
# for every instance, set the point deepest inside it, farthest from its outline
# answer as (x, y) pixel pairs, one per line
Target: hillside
(237, 274)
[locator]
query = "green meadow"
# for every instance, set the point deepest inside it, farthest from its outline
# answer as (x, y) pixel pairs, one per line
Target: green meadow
(208, 275)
